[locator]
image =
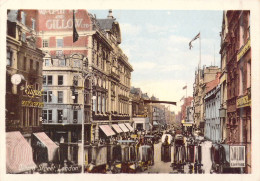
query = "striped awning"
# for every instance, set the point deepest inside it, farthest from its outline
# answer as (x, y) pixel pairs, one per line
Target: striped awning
(45, 141)
(107, 130)
(117, 128)
(129, 127)
(123, 127)
(19, 156)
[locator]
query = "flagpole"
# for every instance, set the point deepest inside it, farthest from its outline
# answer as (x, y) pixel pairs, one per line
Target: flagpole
(186, 90)
(200, 52)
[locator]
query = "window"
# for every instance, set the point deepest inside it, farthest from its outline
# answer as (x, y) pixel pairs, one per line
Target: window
(37, 66)
(45, 98)
(31, 64)
(75, 116)
(60, 96)
(75, 81)
(241, 80)
(249, 74)
(94, 102)
(60, 115)
(49, 115)
(47, 62)
(103, 105)
(23, 38)
(76, 63)
(44, 115)
(24, 63)
(23, 17)
(33, 24)
(62, 62)
(49, 79)
(49, 96)
(44, 81)
(76, 98)
(60, 79)
(9, 58)
(59, 42)
(242, 32)
(45, 43)
(99, 103)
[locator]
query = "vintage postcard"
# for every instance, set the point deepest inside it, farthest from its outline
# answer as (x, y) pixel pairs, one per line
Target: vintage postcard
(102, 91)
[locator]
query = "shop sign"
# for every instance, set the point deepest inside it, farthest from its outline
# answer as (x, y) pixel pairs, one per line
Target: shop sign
(237, 156)
(29, 91)
(32, 104)
(243, 50)
(243, 102)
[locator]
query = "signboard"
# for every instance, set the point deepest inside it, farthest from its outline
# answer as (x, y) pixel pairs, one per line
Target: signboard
(243, 50)
(237, 156)
(62, 20)
(243, 102)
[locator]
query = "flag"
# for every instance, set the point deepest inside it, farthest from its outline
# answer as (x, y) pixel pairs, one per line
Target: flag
(75, 33)
(185, 87)
(182, 98)
(196, 37)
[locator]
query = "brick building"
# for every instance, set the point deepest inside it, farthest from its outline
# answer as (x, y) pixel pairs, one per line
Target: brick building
(238, 54)
(23, 76)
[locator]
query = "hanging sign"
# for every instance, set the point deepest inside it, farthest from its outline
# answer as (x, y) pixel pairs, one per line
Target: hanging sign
(237, 156)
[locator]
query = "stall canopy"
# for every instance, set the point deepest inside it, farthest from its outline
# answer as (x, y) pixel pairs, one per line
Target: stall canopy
(107, 130)
(123, 127)
(129, 127)
(19, 157)
(44, 141)
(117, 128)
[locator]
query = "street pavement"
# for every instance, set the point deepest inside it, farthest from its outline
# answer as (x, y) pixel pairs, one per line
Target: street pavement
(160, 166)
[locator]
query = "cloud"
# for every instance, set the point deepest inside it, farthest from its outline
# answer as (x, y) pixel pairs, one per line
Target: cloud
(129, 29)
(140, 66)
(152, 28)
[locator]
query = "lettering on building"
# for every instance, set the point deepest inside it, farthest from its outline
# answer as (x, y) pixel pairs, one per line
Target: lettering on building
(243, 51)
(243, 102)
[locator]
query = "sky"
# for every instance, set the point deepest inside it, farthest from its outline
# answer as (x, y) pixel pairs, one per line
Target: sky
(157, 45)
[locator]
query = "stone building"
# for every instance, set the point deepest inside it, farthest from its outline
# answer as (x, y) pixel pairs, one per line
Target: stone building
(238, 62)
(212, 128)
(23, 76)
(202, 76)
(223, 77)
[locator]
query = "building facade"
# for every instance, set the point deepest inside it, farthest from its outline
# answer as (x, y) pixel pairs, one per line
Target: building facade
(212, 98)
(23, 76)
(239, 82)
(202, 76)
(223, 77)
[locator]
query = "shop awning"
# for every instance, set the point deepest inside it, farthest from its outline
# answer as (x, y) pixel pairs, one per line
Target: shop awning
(129, 127)
(117, 128)
(19, 156)
(45, 141)
(107, 130)
(123, 127)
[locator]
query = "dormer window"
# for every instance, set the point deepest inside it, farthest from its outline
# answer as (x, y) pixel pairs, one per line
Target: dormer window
(23, 16)
(33, 24)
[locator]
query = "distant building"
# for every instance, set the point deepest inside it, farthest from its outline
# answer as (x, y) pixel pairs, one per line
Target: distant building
(202, 76)
(212, 98)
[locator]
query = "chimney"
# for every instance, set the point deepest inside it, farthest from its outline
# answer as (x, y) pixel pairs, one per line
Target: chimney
(110, 16)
